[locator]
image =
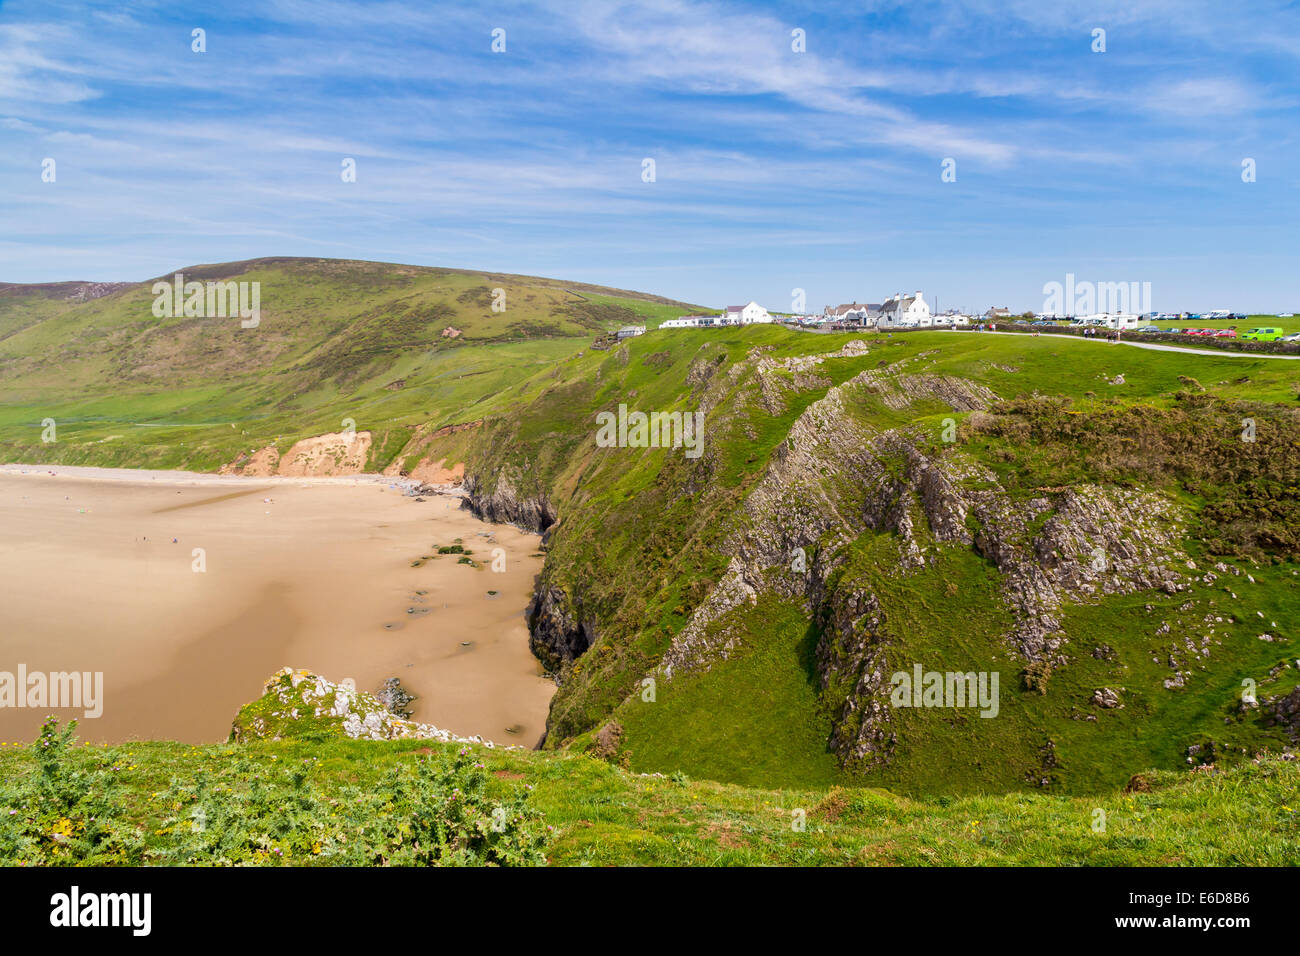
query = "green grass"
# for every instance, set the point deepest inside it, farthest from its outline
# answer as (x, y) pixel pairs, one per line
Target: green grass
(128, 389)
(754, 721)
(638, 549)
(603, 816)
(650, 314)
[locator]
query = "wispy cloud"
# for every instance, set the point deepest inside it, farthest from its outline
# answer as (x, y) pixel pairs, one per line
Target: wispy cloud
(781, 168)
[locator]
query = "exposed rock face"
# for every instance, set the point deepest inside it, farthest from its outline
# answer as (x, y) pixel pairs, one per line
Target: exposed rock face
(1097, 541)
(505, 506)
(86, 291)
(336, 453)
(834, 479)
(851, 650)
(295, 702)
(555, 635)
(608, 742)
(899, 391)
(1106, 697)
(702, 369)
(430, 472)
(1285, 711)
(394, 698)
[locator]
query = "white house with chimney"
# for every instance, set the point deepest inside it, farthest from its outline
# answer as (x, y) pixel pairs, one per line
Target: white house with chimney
(747, 314)
(905, 312)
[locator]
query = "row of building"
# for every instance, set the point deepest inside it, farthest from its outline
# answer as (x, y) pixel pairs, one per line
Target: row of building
(750, 313)
(903, 311)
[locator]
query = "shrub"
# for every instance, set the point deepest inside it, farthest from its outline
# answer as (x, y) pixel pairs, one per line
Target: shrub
(242, 809)
(435, 813)
(1036, 675)
(451, 821)
(64, 814)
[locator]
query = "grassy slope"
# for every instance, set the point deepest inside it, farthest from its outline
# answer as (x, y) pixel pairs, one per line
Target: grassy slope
(602, 815)
(129, 389)
(639, 553)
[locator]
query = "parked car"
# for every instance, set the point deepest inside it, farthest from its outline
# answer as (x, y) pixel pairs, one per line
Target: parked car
(1266, 334)
(1225, 333)
(1149, 328)
(1292, 337)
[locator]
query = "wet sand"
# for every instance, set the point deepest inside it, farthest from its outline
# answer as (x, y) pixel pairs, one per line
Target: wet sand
(318, 578)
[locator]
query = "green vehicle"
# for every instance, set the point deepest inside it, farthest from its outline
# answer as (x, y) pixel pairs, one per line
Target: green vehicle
(1262, 335)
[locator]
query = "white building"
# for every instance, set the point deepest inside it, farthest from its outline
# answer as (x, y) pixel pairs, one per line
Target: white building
(692, 322)
(1110, 320)
(746, 314)
(629, 331)
(905, 312)
(864, 313)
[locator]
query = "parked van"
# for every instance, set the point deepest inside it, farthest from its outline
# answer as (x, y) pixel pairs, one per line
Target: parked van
(1262, 335)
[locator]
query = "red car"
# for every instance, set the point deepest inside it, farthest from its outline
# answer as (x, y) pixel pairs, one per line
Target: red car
(1225, 333)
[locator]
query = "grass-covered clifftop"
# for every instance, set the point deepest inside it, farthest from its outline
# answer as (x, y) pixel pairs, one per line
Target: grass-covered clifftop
(320, 798)
(1110, 529)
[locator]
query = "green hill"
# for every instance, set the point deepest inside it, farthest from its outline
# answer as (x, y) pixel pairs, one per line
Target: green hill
(974, 554)
(389, 346)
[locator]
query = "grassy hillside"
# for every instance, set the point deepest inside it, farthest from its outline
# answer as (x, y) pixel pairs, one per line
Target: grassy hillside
(645, 536)
(320, 799)
(389, 346)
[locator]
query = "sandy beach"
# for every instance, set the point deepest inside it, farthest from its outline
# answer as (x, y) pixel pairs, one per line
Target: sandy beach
(188, 591)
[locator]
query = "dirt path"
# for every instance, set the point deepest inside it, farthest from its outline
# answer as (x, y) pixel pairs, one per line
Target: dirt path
(1154, 346)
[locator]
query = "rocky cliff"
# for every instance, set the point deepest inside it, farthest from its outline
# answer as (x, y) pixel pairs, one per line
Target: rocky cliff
(294, 703)
(835, 478)
(504, 504)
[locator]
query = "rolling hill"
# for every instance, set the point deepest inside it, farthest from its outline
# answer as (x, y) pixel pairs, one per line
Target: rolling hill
(336, 339)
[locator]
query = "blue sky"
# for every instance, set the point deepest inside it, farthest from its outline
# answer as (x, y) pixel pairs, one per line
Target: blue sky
(775, 170)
